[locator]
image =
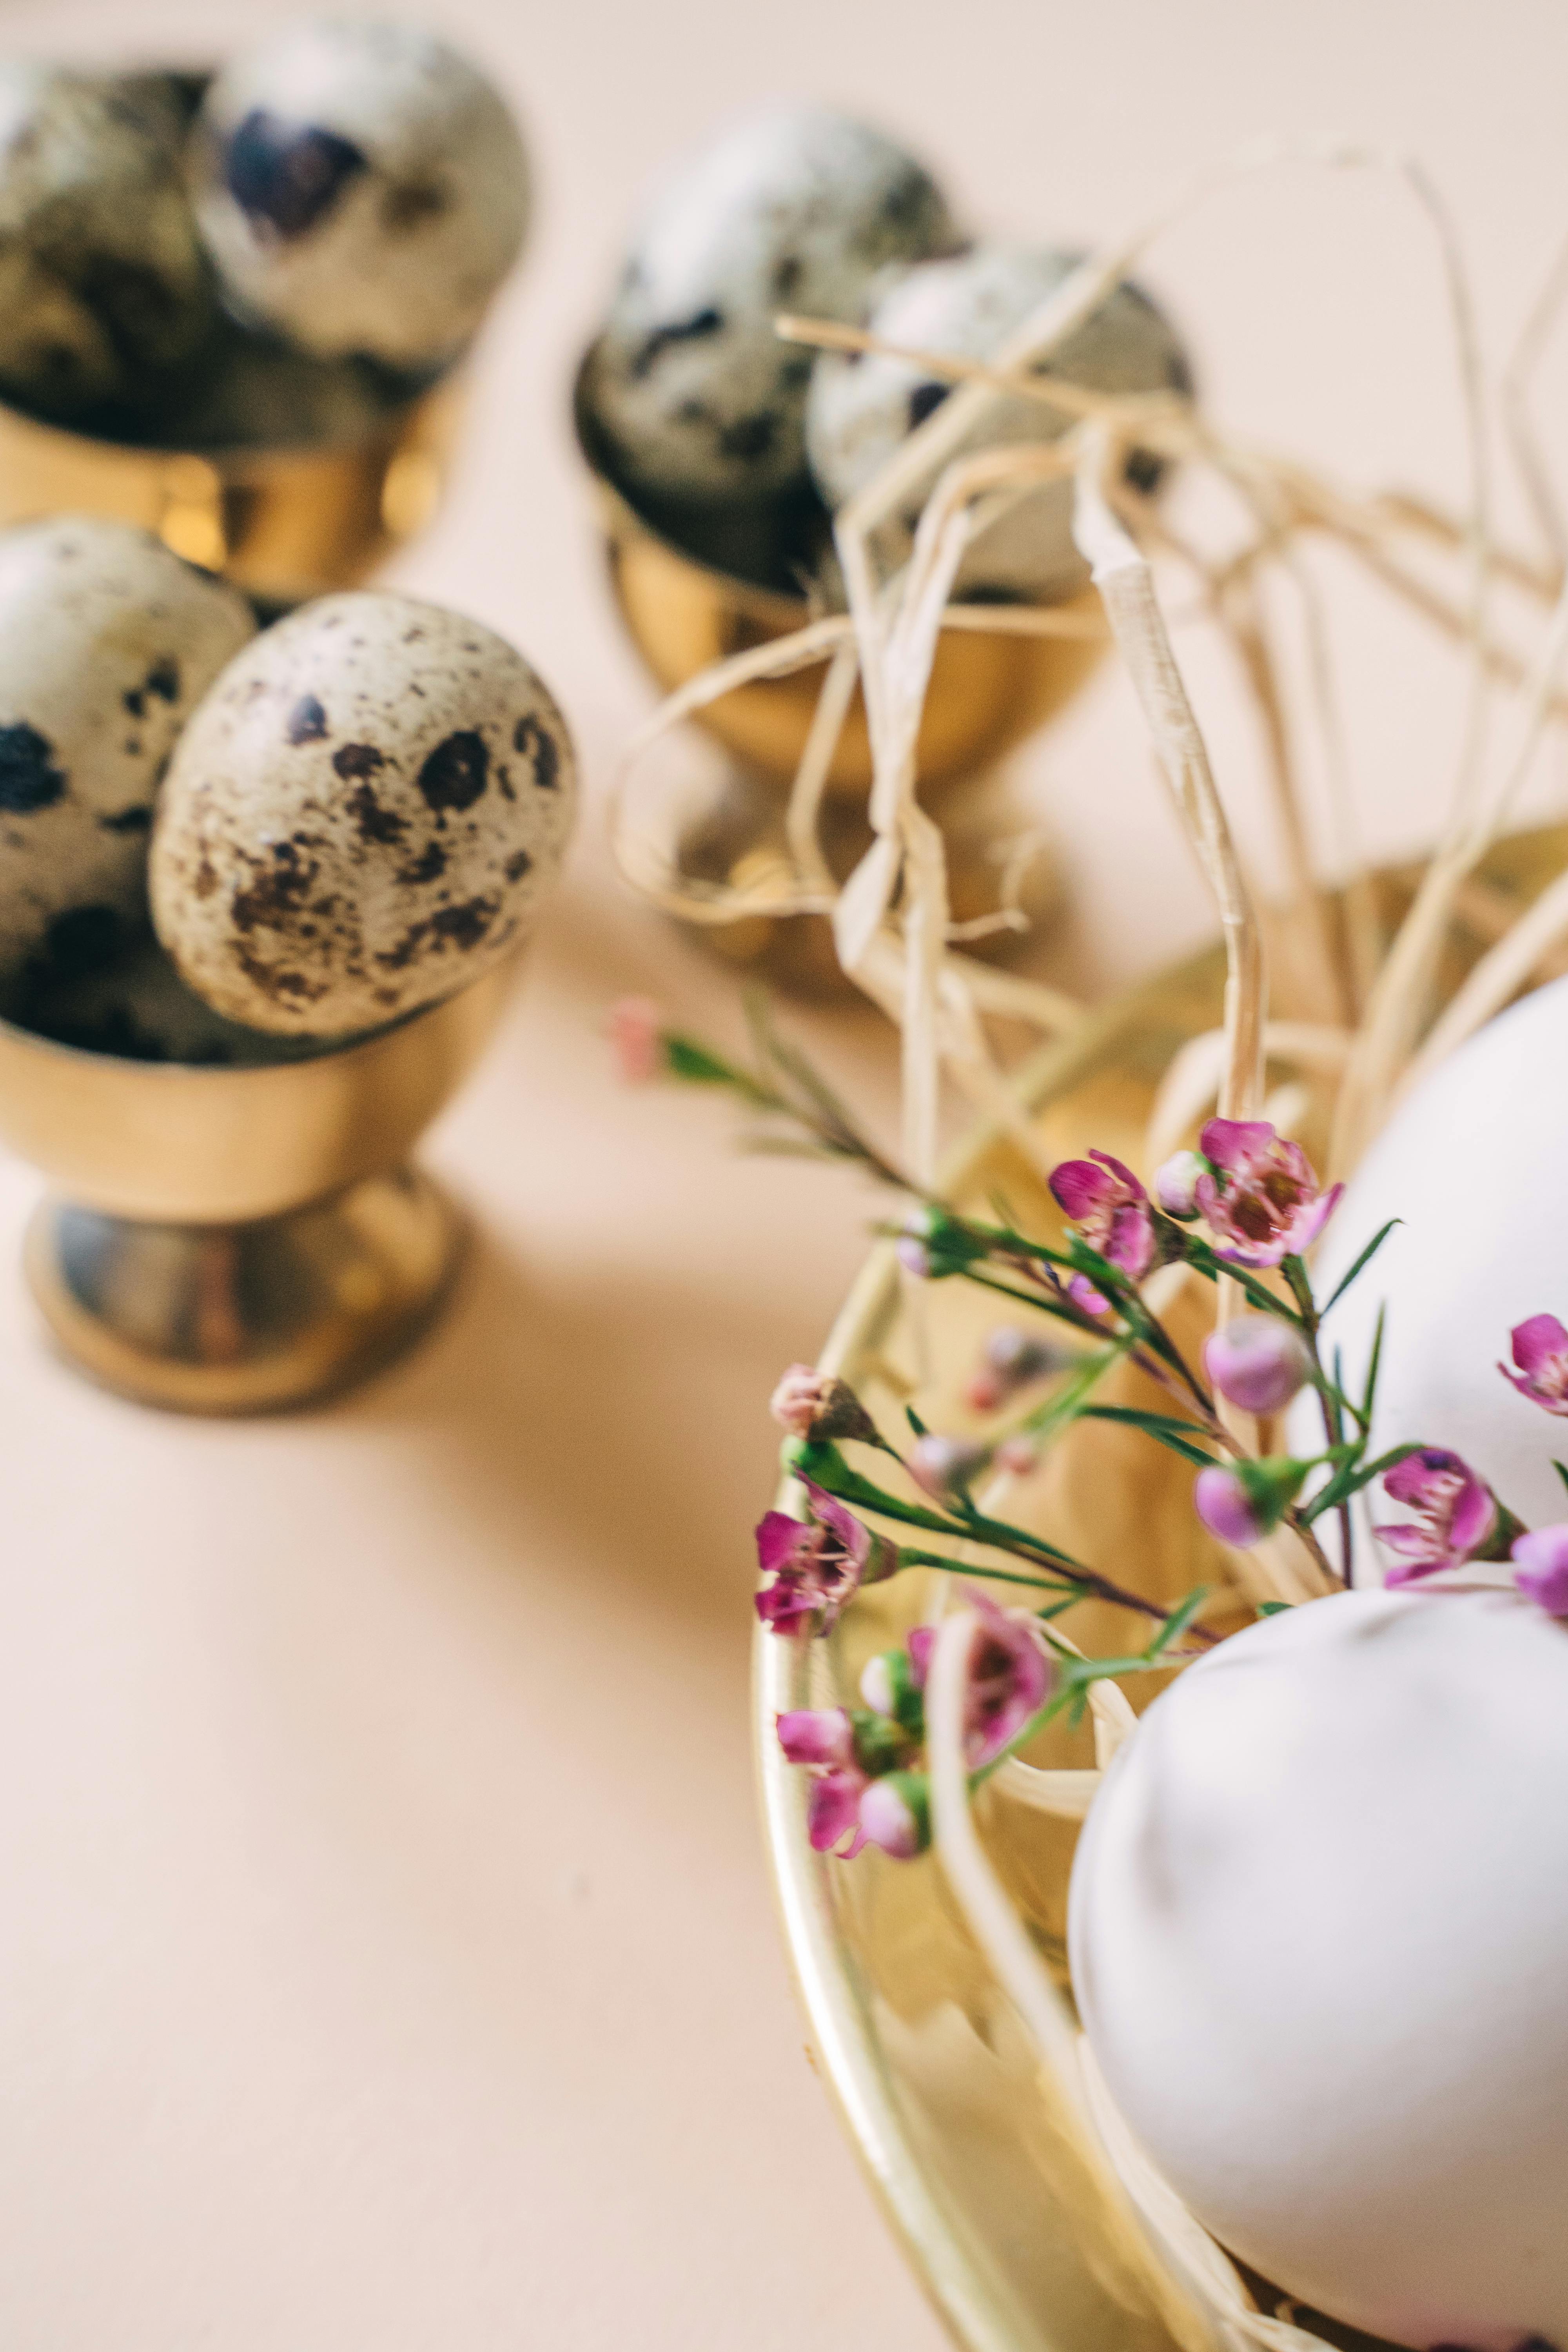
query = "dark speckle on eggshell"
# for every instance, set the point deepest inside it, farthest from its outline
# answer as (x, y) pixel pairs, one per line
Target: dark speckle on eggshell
(358, 760)
(30, 779)
(276, 893)
(454, 774)
(138, 819)
(284, 175)
(529, 738)
(375, 823)
(306, 722)
(428, 866)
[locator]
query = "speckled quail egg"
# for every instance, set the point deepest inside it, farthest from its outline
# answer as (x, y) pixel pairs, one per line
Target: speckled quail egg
(361, 188)
(362, 817)
(859, 410)
(101, 273)
(106, 640)
(792, 209)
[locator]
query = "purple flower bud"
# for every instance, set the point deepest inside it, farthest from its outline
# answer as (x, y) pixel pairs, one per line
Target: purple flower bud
(1541, 1352)
(1010, 1359)
(832, 1811)
(1227, 1509)
(1111, 1209)
(1257, 1362)
(815, 1405)
(913, 1256)
(1018, 1454)
(1176, 1184)
(1541, 1568)
(636, 1030)
(817, 1735)
(1241, 1501)
(944, 1465)
(895, 1813)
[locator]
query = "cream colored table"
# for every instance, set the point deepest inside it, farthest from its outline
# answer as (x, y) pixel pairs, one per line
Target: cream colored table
(386, 1957)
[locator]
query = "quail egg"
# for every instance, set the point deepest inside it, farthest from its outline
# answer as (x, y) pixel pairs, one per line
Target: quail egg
(859, 410)
(361, 188)
(362, 817)
(792, 209)
(106, 640)
(101, 273)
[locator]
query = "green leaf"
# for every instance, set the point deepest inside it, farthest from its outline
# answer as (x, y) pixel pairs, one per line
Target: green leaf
(685, 1058)
(1176, 1624)
(1363, 1260)
(1562, 1470)
(1163, 1427)
(1206, 1261)
(1274, 1608)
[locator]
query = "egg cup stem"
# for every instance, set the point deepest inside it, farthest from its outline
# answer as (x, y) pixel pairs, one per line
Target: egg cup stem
(250, 1318)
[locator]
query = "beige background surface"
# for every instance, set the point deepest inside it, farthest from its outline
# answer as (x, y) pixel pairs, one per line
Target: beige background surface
(386, 1953)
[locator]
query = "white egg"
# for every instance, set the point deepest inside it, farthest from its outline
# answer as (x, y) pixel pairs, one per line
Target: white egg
(107, 643)
(1317, 1925)
(361, 189)
(1473, 1165)
(794, 208)
(362, 816)
(102, 276)
(860, 410)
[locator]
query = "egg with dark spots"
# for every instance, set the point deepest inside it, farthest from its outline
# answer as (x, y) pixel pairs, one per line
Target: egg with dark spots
(101, 274)
(97, 619)
(794, 208)
(861, 411)
(333, 847)
(362, 190)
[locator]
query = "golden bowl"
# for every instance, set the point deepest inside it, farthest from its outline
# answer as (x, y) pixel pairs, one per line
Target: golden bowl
(283, 523)
(683, 613)
(932, 2072)
(235, 1240)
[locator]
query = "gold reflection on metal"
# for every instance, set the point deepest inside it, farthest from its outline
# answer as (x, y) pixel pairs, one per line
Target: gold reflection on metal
(228, 1241)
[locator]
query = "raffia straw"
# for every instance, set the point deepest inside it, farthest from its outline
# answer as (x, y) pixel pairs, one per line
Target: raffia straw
(1136, 2272)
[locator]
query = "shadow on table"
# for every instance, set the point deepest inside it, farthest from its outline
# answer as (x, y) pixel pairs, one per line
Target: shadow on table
(615, 1410)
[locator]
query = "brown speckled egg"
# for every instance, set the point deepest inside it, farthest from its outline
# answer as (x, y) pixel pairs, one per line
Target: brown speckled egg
(362, 817)
(107, 643)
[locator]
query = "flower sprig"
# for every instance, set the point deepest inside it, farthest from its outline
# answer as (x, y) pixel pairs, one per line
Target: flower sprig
(1245, 1206)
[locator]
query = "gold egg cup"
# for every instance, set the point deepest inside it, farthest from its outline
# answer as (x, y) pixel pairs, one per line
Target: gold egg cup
(241, 1239)
(989, 692)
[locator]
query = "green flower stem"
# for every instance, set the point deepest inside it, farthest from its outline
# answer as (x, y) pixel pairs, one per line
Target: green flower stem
(1330, 1406)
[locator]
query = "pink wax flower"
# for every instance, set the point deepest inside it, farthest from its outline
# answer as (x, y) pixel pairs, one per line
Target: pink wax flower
(817, 1735)
(1240, 1502)
(833, 1811)
(1010, 1679)
(1010, 1359)
(895, 1814)
(1176, 1184)
(1541, 1352)
(1111, 1209)
(1455, 1513)
(818, 1564)
(813, 1404)
(1257, 1362)
(635, 1031)
(1261, 1195)
(1540, 1566)
(944, 1465)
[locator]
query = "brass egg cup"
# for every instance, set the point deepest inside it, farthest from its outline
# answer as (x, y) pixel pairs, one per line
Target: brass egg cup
(241, 1239)
(283, 522)
(686, 602)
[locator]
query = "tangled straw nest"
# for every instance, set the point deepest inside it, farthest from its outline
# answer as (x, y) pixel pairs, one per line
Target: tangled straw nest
(1357, 1005)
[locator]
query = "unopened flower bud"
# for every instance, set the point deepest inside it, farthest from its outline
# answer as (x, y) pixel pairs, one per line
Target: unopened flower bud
(1541, 1568)
(817, 1735)
(944, 1465)
(880, 1744)
(1241, 1502)
(891, 1685)
(636, 1030)
(1257, 1362)
(913, 1256)
(1010, 1359)
(1018, 1455)
(1176, 1185)
(813, 1405)
(895, 1813)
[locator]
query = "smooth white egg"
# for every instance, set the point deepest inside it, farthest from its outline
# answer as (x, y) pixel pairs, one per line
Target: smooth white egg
(1318, 1925)
(1473, 1165)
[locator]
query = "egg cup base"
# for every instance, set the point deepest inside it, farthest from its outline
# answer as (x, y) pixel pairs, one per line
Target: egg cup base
(261, 1317)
